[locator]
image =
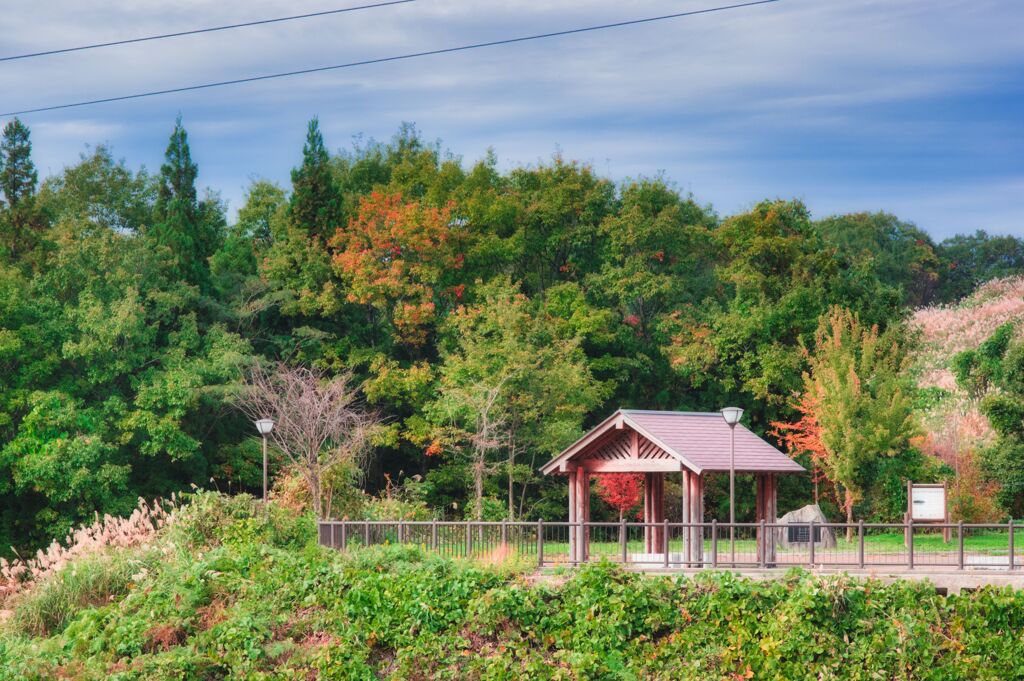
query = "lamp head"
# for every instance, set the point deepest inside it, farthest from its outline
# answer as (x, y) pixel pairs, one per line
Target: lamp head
(265, 426)
(732, 415)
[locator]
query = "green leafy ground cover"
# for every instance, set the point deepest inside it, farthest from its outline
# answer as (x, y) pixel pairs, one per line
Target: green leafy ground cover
(230, 592)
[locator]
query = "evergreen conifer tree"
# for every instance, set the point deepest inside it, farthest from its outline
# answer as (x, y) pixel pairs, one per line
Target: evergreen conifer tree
(18, 180)
(185, 227)
(316, 202)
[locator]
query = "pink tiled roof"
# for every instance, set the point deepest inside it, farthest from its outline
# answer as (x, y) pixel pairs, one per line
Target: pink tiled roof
(699, 440)
(702, 439)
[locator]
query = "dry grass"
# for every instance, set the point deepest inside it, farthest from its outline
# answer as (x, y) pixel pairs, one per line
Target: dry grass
(949, 329)
(956, 429)
(89, 540)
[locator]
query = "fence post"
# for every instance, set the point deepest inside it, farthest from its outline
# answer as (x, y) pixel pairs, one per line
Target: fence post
(433, 534)
(401, 534)
(910, 543)
(504, 532)
(714, 542)
(622, 539)
(762, 558)
(344, 535)
(810, 539)
(366, 533)
(664, 538)
(1010, 543)
(960, 544)
(540, 543)
(469, 539)
(860, 542)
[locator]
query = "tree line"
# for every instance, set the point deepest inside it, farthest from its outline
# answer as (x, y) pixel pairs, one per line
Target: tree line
(486, 316)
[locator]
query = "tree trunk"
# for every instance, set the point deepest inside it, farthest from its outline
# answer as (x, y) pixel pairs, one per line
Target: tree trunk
(511, 498)
(315, 491)
(478, 485)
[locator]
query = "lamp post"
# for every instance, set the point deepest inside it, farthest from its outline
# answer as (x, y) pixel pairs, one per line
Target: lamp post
(264, 426)
(732, 416)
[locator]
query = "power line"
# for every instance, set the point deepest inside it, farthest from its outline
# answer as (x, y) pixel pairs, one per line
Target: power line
(227, 27)
(382, 60)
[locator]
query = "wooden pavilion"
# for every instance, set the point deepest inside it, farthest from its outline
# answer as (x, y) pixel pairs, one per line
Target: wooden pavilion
(657, 443)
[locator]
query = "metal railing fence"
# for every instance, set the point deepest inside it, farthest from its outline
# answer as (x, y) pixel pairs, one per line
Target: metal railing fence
(699, 545)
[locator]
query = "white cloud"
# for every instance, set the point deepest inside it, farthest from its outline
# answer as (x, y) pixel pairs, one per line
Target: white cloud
(787, 98)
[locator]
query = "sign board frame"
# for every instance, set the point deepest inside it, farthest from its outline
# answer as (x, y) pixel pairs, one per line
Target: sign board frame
(944, 520)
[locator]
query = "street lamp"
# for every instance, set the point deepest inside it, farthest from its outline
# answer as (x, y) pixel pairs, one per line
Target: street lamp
(732, 416)
(265, 426)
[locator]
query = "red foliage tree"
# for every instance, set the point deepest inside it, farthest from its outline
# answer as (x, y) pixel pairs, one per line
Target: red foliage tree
(621, 491)
(804, 436)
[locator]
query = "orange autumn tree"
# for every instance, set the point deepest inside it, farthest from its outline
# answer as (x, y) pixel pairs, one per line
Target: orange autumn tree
(858, 400)
(621, 491)
(803, 436)
(399, 257)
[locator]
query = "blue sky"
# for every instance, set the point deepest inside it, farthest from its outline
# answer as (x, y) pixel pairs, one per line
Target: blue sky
(910, 106)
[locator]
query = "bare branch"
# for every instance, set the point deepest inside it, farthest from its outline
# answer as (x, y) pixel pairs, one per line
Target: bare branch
(319, 422)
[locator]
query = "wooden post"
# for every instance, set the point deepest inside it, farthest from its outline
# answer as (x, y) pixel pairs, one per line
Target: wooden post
(860, 542)
(658, 511)
(764, 540)
(910, 543)
(697, 517)
(586, 516)
(664, 540)
(648, 512)
(623, 540)
(344, 535)
(687, 530)
(572, 516)
(810, 558)
(540, 543)
(469, 539)
(1010, 544)
(714, 542)
(772, 516)
(909, 515)
(946, 530)
(759, 514)
(960, 542)
(366, 533)
(582, 509)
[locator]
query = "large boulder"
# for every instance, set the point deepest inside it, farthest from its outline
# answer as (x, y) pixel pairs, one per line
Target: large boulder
(798, 535)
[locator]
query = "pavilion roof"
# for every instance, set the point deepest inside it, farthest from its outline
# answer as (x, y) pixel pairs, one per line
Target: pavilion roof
(699, 441)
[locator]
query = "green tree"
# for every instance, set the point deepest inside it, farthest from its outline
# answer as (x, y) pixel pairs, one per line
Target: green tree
(894, 252)
(300, 263)
(315, 203)
(18, 180)
(235, 267)
(971, 259)
(102, 192)
(994, 372)
(863, 397)
(186, 230)
(509, 384)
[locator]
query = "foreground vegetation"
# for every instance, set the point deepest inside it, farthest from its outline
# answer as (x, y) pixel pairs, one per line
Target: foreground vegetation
(230, 591)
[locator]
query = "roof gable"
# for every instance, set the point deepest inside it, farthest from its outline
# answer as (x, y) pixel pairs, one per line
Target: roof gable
(699, 441)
